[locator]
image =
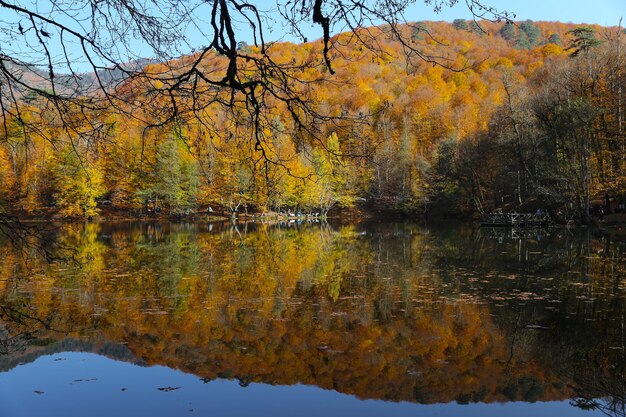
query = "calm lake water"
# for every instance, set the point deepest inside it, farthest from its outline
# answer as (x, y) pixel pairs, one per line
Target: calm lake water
(153, 319)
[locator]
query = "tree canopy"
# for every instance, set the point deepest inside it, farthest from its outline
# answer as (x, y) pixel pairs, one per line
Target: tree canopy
(48, 48)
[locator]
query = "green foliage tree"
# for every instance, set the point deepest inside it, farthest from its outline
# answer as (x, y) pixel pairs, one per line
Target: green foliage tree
(460, 24)
(508, 31)
(176, 179)
(418, 30)
(583, 39)
(533, 33)
(522, 41)
(555, 39)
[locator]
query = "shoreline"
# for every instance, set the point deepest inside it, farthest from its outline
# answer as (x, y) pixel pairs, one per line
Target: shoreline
(611, 224)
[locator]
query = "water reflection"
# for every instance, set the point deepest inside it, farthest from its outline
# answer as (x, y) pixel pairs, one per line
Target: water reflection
(393, 312)
(101, 387)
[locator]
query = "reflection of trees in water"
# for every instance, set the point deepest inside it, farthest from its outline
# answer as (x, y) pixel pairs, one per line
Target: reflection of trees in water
(601, 387)
(24, 332)
(16, 330)
(586, 337)
(387, 311)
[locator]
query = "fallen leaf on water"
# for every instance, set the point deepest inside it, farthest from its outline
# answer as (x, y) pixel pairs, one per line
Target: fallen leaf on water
(86, 380)
(168, 389)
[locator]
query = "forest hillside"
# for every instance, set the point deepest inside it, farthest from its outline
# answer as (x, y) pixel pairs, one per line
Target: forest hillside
(501, 115)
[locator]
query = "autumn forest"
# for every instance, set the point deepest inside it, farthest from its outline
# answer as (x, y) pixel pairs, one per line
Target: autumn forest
(250, 208)
(512, 115)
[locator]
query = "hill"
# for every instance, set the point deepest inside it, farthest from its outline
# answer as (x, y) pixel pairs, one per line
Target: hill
(400, 132)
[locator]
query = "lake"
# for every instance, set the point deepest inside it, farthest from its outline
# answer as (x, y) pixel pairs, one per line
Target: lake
(311, 319)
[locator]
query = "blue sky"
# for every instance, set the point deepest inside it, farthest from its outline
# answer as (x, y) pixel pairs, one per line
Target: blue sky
(603, 12)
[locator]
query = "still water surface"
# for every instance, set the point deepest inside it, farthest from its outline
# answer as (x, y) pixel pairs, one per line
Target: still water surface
(309, 320)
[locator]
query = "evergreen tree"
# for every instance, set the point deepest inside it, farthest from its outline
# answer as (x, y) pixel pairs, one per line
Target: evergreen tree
(583, 39)
(508, 31)
(460, 24)
(522, 41)
(532, 32)
(554, 39)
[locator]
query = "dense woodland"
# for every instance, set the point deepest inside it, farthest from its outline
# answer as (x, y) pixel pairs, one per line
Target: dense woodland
(511, 115)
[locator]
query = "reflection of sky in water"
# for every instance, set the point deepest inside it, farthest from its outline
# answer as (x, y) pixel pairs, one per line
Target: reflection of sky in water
(88, 385)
